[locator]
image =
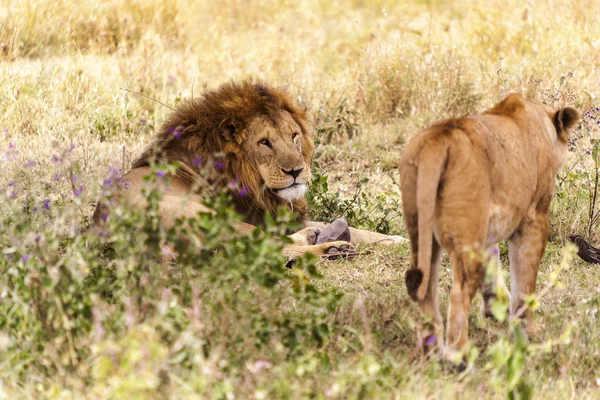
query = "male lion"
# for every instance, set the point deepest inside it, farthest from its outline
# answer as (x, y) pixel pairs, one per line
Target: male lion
(246, 136)
(470, 183)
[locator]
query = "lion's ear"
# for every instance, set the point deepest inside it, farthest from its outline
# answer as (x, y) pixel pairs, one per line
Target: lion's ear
(228, 129)
(565, 120)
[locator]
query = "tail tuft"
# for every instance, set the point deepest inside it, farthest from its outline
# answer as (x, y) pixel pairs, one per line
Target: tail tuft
(413, 280)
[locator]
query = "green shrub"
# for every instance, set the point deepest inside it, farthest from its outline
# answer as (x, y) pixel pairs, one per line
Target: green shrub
(99, 303)
(337, 120)
(376, 213)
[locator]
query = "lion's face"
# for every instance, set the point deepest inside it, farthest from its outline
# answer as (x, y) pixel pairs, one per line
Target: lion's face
(263, 143)
(274, 147)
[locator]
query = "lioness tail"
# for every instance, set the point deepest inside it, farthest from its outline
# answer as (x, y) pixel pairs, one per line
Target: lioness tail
(431, 165)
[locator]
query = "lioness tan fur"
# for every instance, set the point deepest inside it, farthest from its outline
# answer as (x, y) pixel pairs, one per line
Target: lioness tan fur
(248, 137)
(470, 183)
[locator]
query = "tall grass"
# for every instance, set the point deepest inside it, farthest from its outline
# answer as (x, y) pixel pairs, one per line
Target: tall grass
(81, 321)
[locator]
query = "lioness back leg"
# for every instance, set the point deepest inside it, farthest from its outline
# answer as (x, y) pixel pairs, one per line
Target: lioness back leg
(463, 229)
(430, 305)
(467, 272)
(526, 248)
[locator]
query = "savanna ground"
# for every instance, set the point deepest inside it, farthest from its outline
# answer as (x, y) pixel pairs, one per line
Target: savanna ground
(89, 314)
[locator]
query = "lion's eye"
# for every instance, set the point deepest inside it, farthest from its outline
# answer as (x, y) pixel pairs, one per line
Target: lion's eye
(265, 142)
(295, 136)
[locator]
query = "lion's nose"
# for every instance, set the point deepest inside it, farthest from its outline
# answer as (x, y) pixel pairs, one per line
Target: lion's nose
(293, 172)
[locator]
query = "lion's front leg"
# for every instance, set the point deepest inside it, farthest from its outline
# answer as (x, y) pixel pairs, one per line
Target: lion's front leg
(330, 250)
(361, 236)
(305, 237)
(305, 241)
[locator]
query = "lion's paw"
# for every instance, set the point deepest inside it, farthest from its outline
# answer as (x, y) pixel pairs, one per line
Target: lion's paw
(306, 237)
(337, 249)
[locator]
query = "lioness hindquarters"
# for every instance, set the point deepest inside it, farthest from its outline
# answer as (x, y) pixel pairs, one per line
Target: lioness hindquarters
(470, 183)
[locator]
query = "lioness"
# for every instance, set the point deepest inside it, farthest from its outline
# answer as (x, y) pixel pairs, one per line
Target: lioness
(246, 136)
(470, 183)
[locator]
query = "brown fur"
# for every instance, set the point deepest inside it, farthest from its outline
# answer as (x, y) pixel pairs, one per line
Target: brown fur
(472, 182)
(228, 111)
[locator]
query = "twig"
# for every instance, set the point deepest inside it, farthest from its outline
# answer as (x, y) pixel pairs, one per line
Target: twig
(593, 203)
(570, 169)
(123, 161)
(148, 97)
(359, 189)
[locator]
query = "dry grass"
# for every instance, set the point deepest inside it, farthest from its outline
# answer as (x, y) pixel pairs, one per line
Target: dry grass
(398, 65)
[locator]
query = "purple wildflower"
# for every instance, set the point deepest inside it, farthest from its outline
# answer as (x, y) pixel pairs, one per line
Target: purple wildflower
(11, 145)
(430, 340)
(197, 161)
(177, 134)
(25, 258)
(232, 185)
(244, 191)
(160, 173)
(143, 121)
(219, 165)
(57, 177)
(104, 217)
(55, 159)
(12, 195)
(496, 251)
(11, 184)
(30, 164)
(77, 192)
(114, 171)
(46, 204)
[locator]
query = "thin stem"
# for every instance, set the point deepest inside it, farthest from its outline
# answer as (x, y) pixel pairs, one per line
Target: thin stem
(593, 203)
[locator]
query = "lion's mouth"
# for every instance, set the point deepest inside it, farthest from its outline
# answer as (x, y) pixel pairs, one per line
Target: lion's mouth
(293, 185)
(293, 192)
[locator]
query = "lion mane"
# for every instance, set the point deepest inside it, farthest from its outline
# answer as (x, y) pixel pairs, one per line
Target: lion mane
(195, 134)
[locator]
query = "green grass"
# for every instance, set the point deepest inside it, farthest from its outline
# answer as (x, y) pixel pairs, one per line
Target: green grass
(80, 321)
